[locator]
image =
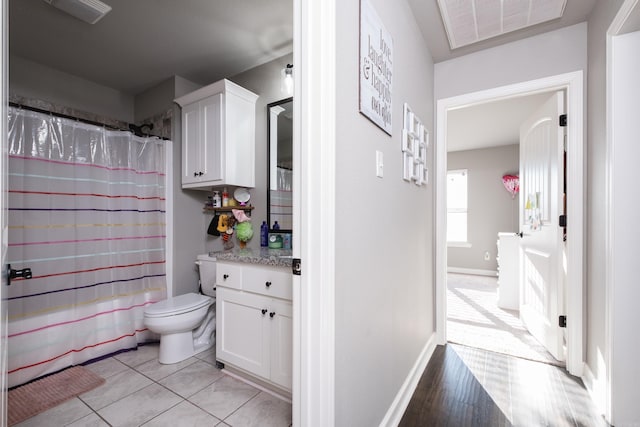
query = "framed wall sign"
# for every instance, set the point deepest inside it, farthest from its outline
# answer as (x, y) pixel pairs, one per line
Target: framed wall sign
(376, 68)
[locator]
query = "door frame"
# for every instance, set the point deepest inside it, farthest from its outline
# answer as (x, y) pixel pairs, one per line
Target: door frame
(572, 83)
(611, 394)
(314, 214)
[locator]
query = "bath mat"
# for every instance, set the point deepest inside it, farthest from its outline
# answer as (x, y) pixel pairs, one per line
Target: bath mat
(38, 396)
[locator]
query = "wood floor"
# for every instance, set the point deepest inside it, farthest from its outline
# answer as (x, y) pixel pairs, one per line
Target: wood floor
(465, 386)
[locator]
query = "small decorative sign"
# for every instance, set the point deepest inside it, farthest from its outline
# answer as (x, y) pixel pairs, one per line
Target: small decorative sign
(376, 68)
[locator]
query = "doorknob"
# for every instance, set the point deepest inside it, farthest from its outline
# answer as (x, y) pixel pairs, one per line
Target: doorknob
(25, 273)
(521, 234)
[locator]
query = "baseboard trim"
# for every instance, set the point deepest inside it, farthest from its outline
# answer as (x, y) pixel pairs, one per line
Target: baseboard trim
(474, 271)
(596, 389)
(254, 382)
(401, 402)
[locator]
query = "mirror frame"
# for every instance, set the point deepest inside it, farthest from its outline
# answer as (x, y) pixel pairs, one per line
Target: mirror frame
(273, 104)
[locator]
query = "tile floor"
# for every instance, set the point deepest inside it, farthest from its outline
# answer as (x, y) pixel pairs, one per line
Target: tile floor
(139, 391)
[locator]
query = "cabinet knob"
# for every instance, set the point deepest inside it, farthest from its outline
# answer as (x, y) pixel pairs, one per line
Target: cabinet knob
(195, 174)
(273, 313)
(225, 276)
(264, 311)
(200, 173)
(267, 284)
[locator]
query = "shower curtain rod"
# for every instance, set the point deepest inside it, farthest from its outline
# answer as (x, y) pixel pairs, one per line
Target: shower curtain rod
(89, 122)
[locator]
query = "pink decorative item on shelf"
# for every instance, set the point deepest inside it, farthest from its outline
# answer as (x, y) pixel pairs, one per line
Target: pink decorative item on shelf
(512, 184)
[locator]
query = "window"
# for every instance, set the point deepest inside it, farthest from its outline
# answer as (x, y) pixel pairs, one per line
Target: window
(457, 206)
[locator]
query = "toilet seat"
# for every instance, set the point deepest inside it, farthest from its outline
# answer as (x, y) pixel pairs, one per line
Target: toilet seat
(177, 305)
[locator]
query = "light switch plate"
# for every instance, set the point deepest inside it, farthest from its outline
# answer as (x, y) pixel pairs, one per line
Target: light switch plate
(379, 164)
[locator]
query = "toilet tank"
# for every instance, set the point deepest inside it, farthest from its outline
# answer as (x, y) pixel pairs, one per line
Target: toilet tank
(207, 268)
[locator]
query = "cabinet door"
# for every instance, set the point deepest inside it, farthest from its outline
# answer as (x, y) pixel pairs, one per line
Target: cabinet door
(281, 343)
(212, 137)
(242, 330)
(191, 144)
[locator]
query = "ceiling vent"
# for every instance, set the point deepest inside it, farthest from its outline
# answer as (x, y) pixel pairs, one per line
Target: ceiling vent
(471, 21)
(90, 11)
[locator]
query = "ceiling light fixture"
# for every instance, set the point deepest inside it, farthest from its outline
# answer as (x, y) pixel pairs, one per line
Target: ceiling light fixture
(287, 80)
(90, 11)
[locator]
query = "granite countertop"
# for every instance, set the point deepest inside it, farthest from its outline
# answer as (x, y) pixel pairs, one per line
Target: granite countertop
(264, 256)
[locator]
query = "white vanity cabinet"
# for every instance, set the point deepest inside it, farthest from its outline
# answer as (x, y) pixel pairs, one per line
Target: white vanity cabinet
(218, 136)
(254, 328)
(508, 268)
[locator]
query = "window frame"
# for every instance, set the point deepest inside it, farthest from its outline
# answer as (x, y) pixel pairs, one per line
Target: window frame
(459, 243)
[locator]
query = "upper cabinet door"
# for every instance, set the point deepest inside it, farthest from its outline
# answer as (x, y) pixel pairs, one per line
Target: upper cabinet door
(191, 165)
(218, 136)
(212, 150)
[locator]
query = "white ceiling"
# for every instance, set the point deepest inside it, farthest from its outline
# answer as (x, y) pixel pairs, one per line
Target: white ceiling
(143, 42)
(490, 124)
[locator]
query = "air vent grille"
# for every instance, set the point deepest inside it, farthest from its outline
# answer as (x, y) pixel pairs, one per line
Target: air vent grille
(90, 11)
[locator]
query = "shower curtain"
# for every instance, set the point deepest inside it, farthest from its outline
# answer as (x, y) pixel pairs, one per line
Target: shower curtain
(87, 215)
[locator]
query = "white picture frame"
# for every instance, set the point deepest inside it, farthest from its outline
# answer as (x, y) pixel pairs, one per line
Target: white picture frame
(414, 147)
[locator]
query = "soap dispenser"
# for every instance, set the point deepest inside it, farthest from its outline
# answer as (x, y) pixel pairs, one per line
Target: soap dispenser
(264, 234)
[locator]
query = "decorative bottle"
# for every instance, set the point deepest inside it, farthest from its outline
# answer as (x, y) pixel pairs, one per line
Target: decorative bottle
(264, 234)
(225, 198)
(276, 226)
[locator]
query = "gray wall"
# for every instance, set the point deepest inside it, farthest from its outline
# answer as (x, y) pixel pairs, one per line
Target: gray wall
(32, 80)
(548, 54)
(263, 80)
(384, 305)
(490, 207)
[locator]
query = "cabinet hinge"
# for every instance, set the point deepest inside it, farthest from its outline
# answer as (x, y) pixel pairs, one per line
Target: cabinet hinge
(563, 120)
(562, 321)
(296, 266)
(562, 220)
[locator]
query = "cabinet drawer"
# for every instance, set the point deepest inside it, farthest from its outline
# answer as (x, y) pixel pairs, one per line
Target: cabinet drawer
(229, 275)
(270, 281)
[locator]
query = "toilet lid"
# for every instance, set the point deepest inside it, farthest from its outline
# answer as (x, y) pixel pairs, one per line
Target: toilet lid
(177, 305)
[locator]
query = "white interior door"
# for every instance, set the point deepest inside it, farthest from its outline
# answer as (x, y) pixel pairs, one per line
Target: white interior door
(541, 204)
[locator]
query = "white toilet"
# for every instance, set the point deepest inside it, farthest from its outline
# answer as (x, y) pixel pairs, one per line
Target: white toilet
(186, 323)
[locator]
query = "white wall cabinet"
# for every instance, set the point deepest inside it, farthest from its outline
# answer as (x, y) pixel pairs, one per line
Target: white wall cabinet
(254, 321)
(218, 136)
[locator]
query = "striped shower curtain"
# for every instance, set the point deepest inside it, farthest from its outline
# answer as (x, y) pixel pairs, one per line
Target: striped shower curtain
(87, 215)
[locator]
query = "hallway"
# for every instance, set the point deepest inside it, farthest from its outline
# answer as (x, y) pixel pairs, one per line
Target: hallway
(464, 386)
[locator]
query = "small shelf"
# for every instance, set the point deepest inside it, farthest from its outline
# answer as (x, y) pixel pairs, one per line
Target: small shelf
(247, 208)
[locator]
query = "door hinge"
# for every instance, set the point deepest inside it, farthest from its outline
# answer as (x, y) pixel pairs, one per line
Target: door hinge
(562, 220)
(562, 321)
(296, 266)
(25, 273)
(563, 120)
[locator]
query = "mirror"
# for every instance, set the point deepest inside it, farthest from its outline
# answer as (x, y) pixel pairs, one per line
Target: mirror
(280, 164)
